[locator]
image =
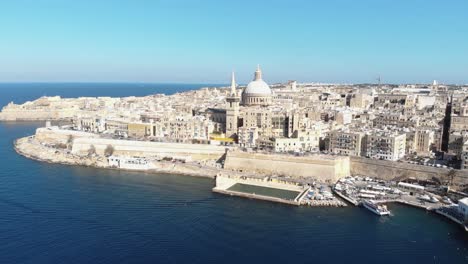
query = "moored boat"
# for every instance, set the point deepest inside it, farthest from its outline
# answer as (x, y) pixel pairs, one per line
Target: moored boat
(378, 209)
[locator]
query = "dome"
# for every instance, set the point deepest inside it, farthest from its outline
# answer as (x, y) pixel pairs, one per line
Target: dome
(257, 91)
(258, 87)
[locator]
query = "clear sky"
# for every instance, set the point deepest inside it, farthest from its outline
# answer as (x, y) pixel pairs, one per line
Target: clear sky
(403, 41)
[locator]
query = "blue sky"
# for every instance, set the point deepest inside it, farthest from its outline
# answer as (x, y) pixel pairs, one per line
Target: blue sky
(403, 41)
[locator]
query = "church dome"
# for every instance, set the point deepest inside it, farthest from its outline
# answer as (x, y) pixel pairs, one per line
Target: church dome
(257, 87)
(257, 91)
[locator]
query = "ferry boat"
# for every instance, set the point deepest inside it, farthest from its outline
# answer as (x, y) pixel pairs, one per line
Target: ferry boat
(378, 209)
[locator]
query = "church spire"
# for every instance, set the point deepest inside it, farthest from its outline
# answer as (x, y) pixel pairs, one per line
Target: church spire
(233, 85)
(258, 73)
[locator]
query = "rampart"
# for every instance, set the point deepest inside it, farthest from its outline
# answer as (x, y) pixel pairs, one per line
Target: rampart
(16, 114)
(145, 148)
(83, 142)
(323, 168)
(55, 135)
(391, 170)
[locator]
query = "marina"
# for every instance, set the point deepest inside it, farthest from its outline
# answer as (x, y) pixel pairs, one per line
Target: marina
(360, 190)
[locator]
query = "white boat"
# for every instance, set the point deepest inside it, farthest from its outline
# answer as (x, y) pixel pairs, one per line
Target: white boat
(428, 198)
(425, 197)
(447, 200)
(378, 209)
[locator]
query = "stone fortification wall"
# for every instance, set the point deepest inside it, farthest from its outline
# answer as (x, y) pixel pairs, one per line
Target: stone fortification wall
(322, 168)
(82, 142)
(145, 148)
(14, 114)
(390, 170)
(54, 135)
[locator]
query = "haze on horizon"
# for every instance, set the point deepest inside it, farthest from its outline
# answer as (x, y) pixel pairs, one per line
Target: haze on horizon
(201, 42)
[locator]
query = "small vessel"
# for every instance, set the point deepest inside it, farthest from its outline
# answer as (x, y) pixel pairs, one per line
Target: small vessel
(425, 197)
(428, 198)
(447, 200)
(338, 187)
(434, 200)
(378, 209)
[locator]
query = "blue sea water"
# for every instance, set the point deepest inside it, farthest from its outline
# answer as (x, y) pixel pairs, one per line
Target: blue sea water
(53, 213)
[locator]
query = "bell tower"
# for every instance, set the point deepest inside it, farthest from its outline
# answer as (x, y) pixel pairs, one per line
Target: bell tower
(232, 110)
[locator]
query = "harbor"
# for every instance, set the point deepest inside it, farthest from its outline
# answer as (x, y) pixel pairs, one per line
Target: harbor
(360, 191)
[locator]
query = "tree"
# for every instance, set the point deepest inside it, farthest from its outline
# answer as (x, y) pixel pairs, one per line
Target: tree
(91, 150)
(70, 140)
(109, 150)
(450, 176)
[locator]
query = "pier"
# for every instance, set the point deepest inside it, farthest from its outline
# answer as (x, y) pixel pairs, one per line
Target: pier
(346, 198)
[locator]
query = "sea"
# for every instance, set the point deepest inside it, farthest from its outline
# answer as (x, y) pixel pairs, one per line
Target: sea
(51, 213)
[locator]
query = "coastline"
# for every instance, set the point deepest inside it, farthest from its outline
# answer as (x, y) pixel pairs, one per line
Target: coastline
(35, 151)
(20, 146)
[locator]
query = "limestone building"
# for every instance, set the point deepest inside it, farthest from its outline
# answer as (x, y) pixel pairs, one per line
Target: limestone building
(346, 142)
(386, 145)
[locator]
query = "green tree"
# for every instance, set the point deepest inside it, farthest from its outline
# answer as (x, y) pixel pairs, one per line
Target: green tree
(109, 150)
(91, 150)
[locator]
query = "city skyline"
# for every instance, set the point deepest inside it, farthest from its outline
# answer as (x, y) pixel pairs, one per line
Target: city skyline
(183, 42)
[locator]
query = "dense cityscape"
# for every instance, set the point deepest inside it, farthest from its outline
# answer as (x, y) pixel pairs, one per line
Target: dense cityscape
(233, 132)
(296, 143)
(419, 123)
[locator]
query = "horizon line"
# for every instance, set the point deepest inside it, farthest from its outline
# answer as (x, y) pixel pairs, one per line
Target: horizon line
(220, 84)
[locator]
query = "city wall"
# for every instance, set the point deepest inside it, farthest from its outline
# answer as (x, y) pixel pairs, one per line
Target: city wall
(18, 114)
(54, 135)
(390, 170)
(322, 168)
(83, 142)
(145, 148)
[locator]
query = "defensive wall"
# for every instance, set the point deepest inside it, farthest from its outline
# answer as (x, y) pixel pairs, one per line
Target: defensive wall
(324, 168)
(145, 148)
(17, 114)
(83, 142)
(391, 170)
(320, 167)
(55, 135)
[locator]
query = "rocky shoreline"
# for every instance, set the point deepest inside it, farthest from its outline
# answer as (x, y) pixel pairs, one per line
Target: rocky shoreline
(32, 149)
(35, 149)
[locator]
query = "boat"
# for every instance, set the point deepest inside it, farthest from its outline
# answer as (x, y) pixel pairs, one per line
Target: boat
(425, 197)
(378, 209)
(338, 187)
(447, 200)
(434, 200)
(428, 198)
